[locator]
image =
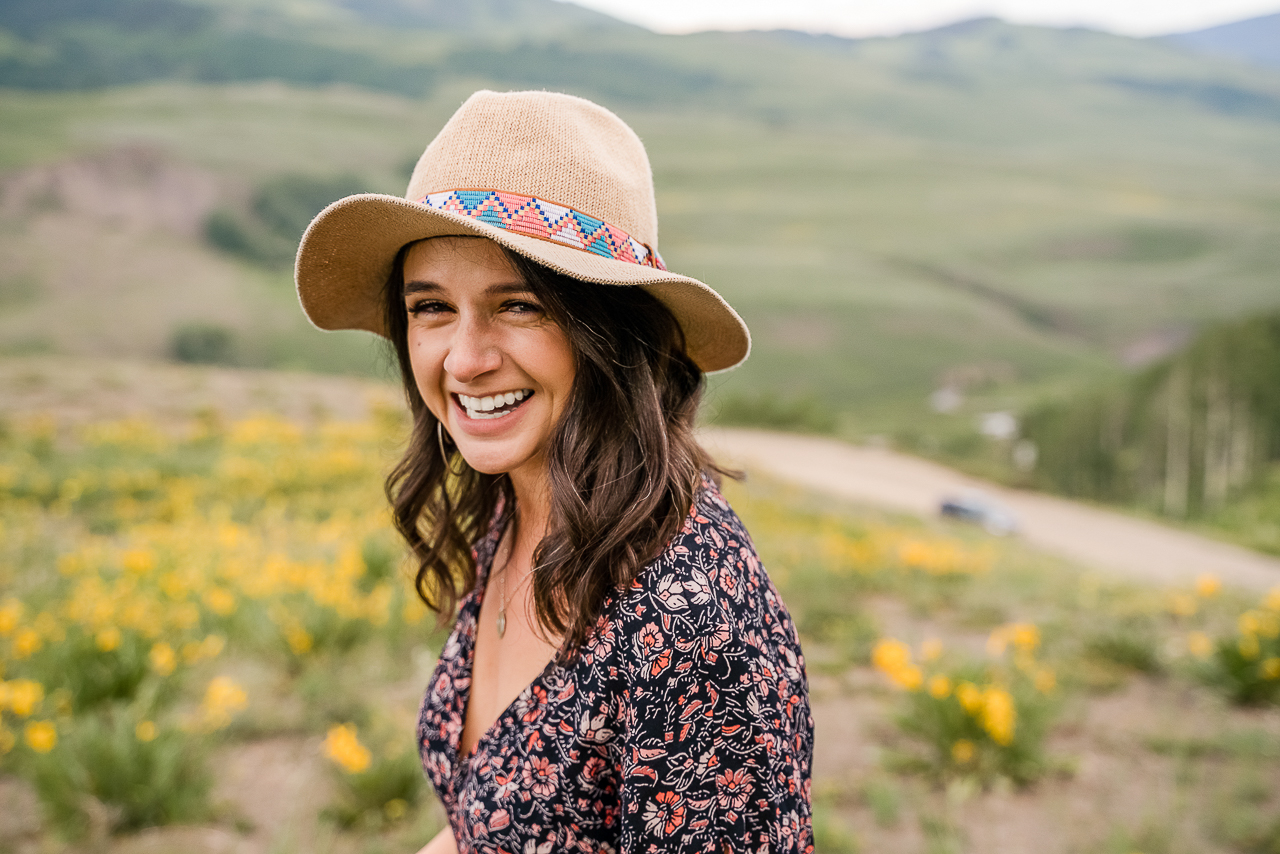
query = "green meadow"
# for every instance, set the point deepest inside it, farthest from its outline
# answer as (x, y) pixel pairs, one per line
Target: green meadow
(208, 643)
(1012, 211)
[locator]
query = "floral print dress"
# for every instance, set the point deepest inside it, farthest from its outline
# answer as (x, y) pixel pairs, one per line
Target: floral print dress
(683, 724)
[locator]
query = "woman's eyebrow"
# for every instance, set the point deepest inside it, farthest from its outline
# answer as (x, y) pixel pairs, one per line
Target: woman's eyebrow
(422, 287)
(517, 287)
(417, 287)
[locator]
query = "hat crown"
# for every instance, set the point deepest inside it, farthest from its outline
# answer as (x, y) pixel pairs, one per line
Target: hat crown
(556, 147)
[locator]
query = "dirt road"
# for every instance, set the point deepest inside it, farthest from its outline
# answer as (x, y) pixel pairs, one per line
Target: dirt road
(1107, 540)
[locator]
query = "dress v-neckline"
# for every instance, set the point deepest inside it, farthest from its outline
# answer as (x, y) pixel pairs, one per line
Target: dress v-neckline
(466, 674)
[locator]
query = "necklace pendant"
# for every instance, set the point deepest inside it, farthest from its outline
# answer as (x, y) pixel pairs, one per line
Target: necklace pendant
(502, 622)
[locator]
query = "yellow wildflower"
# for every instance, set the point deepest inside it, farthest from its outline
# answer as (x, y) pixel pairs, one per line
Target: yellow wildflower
(395, 809)
(24, 696)
(163, 659)
(108, 639)
(212, 646)
(1183, 605)
(41, 736)
(138, 561)
(1272, 602)
(221, 601)
(889, 654)
(26, 643)
(222, 699)
(7, 740)
(999, 716)
(939, 687)
(1025, 636)
(970, 697)
(10, 614)
(299, 639)
(1249, 647)
(1199, 644)
(1208, 585)
(343, 747)
(1248, 623)
(145, 731)
(893, 659)
(910, 678)
(962, 751)
(1270, 668)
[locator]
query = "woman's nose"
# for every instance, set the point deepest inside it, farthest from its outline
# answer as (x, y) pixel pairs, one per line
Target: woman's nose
(472, 352)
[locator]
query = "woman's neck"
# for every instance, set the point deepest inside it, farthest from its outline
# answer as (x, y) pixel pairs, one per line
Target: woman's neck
(533, 511)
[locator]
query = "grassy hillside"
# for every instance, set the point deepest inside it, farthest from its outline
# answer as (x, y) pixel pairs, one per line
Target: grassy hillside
(1000, 209)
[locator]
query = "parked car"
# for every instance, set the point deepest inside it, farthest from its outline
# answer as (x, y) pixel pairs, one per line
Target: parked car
(980, 509)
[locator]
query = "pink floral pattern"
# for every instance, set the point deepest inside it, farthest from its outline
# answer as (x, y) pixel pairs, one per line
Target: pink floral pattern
(682, 725)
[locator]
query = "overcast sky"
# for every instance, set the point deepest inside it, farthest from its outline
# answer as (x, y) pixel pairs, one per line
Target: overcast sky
(889, 17)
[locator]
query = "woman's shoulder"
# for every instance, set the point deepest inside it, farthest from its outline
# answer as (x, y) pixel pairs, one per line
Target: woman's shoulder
(708, 583)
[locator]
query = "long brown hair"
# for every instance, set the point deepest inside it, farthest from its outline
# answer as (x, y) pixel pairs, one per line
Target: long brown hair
(623, 464)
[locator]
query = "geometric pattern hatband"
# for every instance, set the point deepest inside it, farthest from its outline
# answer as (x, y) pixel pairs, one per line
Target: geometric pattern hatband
(547, 221)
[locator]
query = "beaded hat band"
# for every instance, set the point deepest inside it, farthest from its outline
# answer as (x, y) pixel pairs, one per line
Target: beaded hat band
(546, 221)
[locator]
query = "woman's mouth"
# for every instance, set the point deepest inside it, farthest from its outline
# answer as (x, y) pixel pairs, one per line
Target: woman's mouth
(493, 406)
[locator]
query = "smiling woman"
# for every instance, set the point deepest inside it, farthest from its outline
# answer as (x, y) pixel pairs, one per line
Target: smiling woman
(489, 362)
(622, 675)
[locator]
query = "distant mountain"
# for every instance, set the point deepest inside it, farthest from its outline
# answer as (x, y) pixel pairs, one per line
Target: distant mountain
(1256, 40)
(974, 74)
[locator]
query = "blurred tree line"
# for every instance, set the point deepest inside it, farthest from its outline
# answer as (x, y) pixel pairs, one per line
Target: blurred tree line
(1183, 437)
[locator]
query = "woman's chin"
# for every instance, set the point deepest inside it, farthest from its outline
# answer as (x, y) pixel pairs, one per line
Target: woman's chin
(495, 460)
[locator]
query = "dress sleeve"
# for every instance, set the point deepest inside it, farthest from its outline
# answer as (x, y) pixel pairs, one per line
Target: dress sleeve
(695, 762)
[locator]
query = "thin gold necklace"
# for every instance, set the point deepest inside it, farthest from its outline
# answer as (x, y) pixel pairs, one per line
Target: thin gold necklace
(502, 585)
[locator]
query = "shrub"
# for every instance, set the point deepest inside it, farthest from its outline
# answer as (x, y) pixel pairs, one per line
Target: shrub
(1247, 664)
(974, 720)
(144, 773)
(1131, 644)
(203, 344)
(376, 790)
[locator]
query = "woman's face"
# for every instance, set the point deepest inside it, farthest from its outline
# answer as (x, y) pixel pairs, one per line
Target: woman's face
(488, 361)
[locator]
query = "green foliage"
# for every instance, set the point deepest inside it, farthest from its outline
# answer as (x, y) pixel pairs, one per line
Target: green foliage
(280, 211)
(766, 409)
(1183, 437)
(140, 780)
(885, 801)
(1132, 644)
(382, 795)
(972, 721)
(849, 631)
(830, 836)
(92, 676)
(1262, 837)
(944, 726)
(204, 344)
(1249, 676)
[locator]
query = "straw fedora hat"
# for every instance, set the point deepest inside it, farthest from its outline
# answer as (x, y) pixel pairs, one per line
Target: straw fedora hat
(556, 178)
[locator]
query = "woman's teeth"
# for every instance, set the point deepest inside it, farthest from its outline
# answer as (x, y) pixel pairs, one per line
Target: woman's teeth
(494, 406)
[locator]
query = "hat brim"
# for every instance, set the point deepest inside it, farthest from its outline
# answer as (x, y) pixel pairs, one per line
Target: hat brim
(348, 251)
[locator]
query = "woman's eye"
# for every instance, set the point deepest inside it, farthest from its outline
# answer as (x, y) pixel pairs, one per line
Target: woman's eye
(523, 307)
(427, 306)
